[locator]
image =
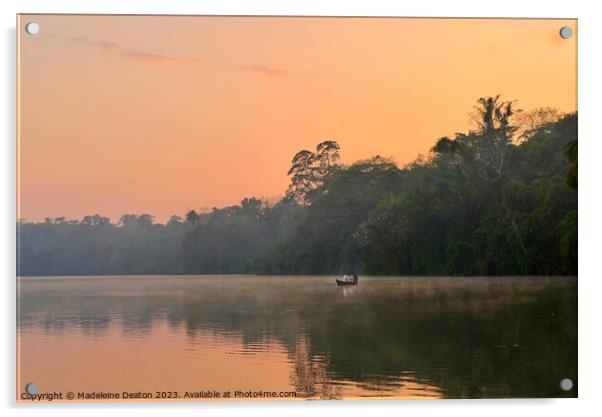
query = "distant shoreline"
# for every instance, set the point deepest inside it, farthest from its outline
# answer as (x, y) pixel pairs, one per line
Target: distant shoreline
(287, 276)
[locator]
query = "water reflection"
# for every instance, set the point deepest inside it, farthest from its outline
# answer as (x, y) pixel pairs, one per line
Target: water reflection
(386, 337)
(346, 291)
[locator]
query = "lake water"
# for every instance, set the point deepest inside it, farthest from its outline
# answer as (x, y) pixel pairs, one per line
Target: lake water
(393, 337)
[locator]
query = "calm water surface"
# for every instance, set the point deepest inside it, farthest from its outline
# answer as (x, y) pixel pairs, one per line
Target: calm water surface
(394, 337)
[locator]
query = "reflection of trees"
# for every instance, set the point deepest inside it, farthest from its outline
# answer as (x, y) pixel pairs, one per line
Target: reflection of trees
(309, 375)
(471, 337)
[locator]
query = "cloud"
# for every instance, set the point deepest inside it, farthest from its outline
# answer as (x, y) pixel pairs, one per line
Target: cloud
(154, 58)
(97, 44)
(146, 56)
(107, 45)
(139, 55)
(266, 70)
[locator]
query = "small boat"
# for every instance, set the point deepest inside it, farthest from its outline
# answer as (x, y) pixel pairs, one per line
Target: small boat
(347, 280)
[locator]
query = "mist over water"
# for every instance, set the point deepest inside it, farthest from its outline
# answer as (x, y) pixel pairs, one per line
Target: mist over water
(396, 337)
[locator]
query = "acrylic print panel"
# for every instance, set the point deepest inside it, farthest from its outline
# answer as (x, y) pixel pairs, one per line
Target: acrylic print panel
(287, 208)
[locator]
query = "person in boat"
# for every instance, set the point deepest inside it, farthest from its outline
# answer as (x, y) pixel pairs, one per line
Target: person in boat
(347, 278)
(350, 277)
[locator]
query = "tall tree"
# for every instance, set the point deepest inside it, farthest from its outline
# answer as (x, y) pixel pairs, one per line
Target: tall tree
(309, 170)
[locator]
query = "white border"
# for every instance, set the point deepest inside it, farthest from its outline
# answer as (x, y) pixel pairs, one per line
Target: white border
(590, 218)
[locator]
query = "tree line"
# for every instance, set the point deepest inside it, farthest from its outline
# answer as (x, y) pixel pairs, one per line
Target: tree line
(499, 199)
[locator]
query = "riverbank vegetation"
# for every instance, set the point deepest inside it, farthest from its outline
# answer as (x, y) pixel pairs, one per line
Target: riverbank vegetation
(500, 199)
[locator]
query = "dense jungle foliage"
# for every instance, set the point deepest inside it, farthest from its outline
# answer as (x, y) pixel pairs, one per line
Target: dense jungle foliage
(500, 199)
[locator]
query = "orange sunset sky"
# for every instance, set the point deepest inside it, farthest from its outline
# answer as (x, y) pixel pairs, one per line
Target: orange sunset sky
(160, 115)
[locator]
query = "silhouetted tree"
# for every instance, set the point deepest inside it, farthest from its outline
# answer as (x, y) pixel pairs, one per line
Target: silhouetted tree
(309, 170)
(95, 220)
(175, 220)
(192, 216)
(527, 122)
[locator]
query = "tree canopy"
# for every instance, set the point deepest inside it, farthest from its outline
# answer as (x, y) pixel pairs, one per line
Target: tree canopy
(497, 200)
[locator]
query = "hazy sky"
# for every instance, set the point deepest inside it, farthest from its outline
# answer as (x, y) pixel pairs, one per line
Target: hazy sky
(161, 115)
